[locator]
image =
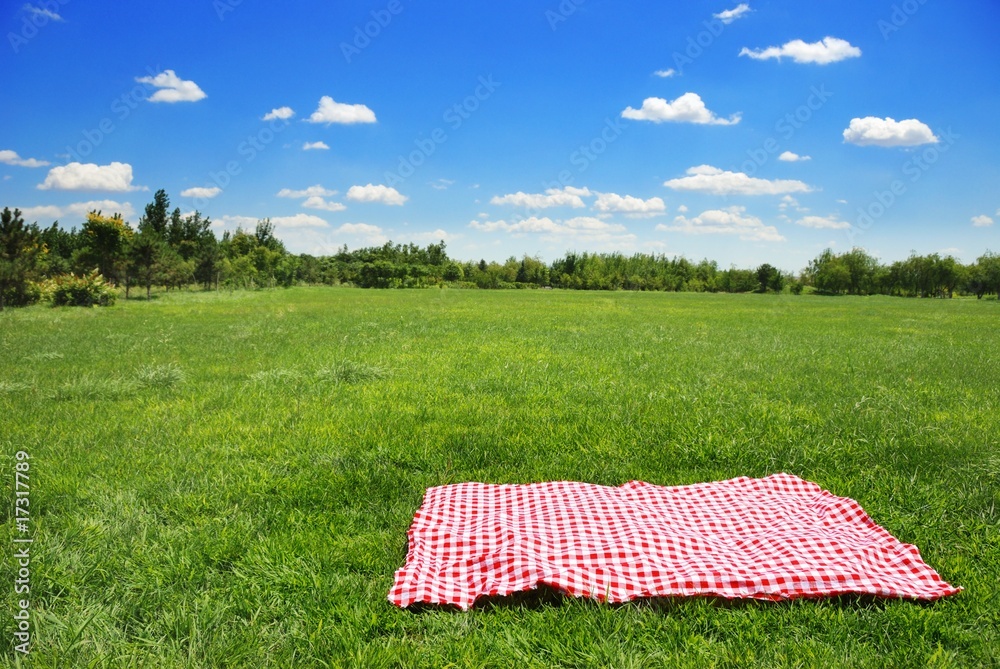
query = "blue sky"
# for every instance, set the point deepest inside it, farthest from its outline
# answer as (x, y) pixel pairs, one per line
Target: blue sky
(742, 132)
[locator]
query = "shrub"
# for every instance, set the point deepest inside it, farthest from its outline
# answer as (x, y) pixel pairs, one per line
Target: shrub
(22, 294)
(78, 291)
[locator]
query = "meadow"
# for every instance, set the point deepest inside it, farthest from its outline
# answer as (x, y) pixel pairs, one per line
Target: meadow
(226, 479)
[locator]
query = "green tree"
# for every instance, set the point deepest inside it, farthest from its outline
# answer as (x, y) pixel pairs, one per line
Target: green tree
(769, 278)
(189, 234)
(436, 254)
(861, 269)
(172, 270)
(145, 251)
(19, 252)
(829, 274)
(264, 234)
(60, 246)
(533, 271)
(950, 274)
(105, 245)
(175, 230)
(989, 269)
(976, 280)
(740, 280)
(207, 258)
(156, 216)
(453, 272)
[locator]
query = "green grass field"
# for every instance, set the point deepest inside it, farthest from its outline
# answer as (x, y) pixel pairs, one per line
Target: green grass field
(226, 480)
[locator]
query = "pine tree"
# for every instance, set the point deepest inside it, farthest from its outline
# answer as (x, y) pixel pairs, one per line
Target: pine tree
(19, 250)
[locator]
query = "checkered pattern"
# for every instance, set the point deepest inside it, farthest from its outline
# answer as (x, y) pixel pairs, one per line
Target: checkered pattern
(773, 538)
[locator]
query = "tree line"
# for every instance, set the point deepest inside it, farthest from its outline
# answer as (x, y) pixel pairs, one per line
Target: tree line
(169, 250)
(166, 249)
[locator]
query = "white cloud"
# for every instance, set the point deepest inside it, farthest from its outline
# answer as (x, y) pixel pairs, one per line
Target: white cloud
(89, 176)
(712, 180)
(43, 12)
(315, 146)
(791, 157)
(379, 193)
(729, 221)
(688, 108)
(9, 157)
(682, 209)
(296, 222)
(789, 202)
(589, 224)
(299, 221)
(823, 223)
(316, 202)
(434, 236)
(201, 193)
(77, 210)
(489, 226)
(665, 74)
(580, 225)
(245, 222)
(364, 233)
(631, 206)
(359, 229)
(312, 191)
(731, 15)
(42, 213)
(826, 51)
(553, 197)
(442, 184)
(338, 112)
(873, 131)
(172, 88)
(109, 207)
(581, 229)
(282, 113)
(983, 221)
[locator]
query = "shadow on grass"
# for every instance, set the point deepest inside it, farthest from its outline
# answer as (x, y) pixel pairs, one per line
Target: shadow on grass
(545, 596)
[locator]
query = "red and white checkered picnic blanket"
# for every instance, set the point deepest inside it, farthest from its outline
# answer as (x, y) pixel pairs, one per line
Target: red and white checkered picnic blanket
(773, 538)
